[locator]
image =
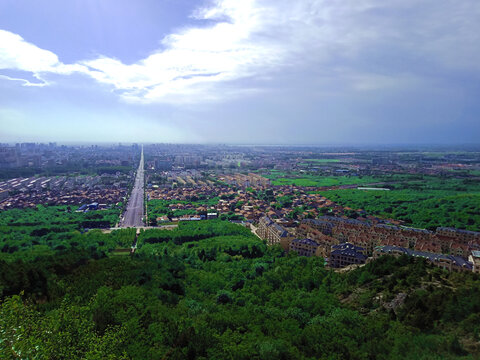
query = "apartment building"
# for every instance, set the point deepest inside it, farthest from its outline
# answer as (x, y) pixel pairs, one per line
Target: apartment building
(370, 235)
(346, 254)
(447, 262)
(273, 233)
(305, 247)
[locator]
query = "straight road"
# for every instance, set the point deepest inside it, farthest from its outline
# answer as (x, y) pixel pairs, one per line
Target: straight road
(134, 214)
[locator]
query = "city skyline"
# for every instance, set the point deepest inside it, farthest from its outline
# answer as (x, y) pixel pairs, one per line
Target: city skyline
(250, 72)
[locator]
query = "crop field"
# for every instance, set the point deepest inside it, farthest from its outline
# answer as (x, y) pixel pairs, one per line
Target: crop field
(301, 179)
(427, 204)
(322, 161)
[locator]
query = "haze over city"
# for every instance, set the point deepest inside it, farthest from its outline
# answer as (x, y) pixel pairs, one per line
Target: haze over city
(267, 72)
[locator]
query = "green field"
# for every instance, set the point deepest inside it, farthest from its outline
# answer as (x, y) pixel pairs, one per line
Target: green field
(424, 203)
(299, 179)
(321, 161)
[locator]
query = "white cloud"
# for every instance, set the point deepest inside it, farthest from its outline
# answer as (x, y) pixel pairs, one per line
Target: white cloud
(18, 54)
(250, 39)
(194, 61)
(26, 82)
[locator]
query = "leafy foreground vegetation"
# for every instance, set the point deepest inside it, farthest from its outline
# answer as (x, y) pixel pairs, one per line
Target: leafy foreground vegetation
(211, 290)
(426, 203)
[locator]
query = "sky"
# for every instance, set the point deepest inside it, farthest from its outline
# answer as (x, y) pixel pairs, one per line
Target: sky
(240, 71)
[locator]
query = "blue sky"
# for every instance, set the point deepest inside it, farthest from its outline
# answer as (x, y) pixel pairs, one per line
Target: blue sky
(249, 71)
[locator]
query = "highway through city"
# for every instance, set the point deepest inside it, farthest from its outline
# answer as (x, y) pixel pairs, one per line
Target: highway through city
(133, 216)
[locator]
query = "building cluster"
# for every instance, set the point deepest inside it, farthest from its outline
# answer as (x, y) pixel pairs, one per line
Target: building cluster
(175, 162)
(206, 216)
(178, 178)
(284, 158)
(328, 230)
(51, 155)
(345, 242)
(244, 181)
(62, 190)
(165, 157)
(447, 262)
(244, 203)
(195, 178)
(337, 254)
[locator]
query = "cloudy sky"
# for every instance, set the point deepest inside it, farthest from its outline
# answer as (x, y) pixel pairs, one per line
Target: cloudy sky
(240, 71)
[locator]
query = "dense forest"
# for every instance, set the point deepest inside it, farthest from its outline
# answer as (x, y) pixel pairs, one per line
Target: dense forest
(26, 233)
(212, 290)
